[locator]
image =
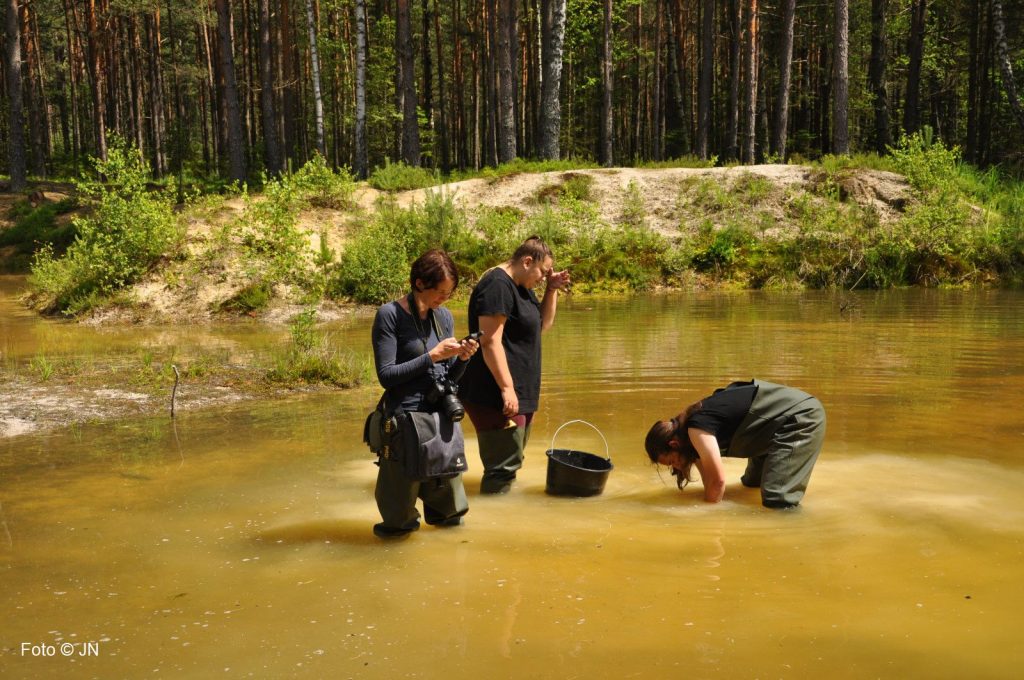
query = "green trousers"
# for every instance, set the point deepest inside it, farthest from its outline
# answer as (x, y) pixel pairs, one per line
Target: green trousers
(501, 452)
(781, 438)
(444, 500)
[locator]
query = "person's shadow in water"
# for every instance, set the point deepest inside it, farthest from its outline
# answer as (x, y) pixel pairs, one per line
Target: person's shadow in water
(346, 531)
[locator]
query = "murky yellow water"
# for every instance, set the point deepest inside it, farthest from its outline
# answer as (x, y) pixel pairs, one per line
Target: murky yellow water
(237, 543)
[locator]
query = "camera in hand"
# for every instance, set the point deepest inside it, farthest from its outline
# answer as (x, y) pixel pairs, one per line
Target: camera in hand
(443, 393)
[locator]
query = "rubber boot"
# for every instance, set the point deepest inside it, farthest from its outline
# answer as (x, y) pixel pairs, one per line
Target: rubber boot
(501, 452)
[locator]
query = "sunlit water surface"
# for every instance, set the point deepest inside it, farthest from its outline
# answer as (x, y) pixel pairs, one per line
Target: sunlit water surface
(237, 542)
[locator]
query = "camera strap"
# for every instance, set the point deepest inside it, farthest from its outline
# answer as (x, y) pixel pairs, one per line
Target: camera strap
(424, 333)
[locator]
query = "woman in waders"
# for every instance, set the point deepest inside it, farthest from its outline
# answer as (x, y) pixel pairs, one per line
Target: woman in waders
(778, 429)
(501, 386)
(414, 347)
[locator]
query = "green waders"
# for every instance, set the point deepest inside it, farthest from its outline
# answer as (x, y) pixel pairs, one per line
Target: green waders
(444, 500)
(501, 452)
(781, 436)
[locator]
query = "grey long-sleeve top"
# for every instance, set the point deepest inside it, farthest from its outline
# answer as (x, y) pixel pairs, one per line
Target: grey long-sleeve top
(400, 353)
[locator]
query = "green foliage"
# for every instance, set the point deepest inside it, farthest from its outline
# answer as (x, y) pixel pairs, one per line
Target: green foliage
(578, 187)
(680, 162)
(401, 177)
(129, 231)
(251, 298)
(706, 194)
(572, 186)
(42, 367)
(928, 165)
(720, 251)
(311, 358)
(323, 187)
(499, 231)
(36, 227)
(374, 266)
(752, 189)
(634, 212)
(520, 166)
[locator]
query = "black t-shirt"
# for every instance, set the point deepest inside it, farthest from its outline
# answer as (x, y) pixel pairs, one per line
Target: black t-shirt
(722, 413)
(497, 293)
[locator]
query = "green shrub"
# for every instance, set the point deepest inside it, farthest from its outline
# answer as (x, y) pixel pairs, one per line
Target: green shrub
(634, 212)
(275, 249)
(311, 358)
(324, 187)
(501, 231)
(37, 226)
(251, 298)
(129, 231)
(928, 165)
(374, 267)
(577, 187)
(680, 162)
(401, 177)
(707, 194)
(520, 166)
(752, 189)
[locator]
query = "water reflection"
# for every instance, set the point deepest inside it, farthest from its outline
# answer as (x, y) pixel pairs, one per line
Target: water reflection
(238, 541)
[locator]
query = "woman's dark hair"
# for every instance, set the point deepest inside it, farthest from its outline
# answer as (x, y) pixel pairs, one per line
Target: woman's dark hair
(433, 267)
(532, 247)
(664, 431)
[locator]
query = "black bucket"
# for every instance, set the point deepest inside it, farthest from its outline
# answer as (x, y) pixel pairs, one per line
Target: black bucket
(576, 473)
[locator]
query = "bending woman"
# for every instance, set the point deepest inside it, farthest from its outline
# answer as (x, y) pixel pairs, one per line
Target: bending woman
(412, 347)
(501, 387)
(778, 429)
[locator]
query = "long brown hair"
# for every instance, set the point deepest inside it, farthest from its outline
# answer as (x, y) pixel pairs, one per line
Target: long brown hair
(663, 431)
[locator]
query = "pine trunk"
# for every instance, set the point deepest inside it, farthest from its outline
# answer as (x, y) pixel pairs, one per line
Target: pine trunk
(750, 82)
(427, 67)
(443, 132)
(781, 130)
(288, 114)
(159, 162)
(318, 100)
(876, 73)
(16, 116)
(552, 54)
(841, 97)
(704, 77)
(71, 19)
(271, 146)
(407, 85)
(974, 16)
(96, 79)
(232, 108)
(607, 120)
(360, 161)
(506, 124)
(1005, 63)
(915, 50)
(732, 134)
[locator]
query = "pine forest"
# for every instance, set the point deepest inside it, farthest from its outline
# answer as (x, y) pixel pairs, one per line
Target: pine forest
(234, 88)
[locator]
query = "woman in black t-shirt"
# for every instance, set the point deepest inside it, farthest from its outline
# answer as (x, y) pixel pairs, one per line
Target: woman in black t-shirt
(779, 429)
(501, 387)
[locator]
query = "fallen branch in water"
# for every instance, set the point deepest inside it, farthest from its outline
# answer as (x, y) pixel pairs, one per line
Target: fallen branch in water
(174, 390)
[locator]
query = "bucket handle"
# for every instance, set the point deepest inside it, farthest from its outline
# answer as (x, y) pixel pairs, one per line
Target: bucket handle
(570, 422)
